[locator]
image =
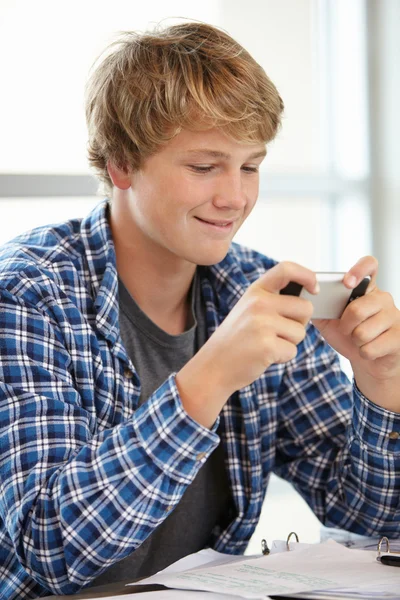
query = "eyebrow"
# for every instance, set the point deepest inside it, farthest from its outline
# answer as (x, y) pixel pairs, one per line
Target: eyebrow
(217, 154)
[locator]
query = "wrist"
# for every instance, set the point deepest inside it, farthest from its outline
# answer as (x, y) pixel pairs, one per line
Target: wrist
(202, 392)
(382, 392)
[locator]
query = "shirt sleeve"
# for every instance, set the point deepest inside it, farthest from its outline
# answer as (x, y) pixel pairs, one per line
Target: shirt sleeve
(74, 501)
(340, 451)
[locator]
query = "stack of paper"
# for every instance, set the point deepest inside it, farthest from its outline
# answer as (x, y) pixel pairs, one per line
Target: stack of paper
(338, 571)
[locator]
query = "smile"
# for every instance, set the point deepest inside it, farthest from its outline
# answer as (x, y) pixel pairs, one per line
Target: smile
(217, 225)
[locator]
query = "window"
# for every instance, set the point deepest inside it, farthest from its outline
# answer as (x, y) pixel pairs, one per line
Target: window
(315, 181)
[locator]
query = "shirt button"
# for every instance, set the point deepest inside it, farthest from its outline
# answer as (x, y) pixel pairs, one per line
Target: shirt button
(200, 455)
(394, 435)
(128, 373)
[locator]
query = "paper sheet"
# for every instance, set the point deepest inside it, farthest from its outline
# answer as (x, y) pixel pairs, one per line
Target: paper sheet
(170, 595)
(318, 567)
(204, 557)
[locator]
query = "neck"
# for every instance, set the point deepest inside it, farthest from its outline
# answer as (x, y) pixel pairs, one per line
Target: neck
(159, 283)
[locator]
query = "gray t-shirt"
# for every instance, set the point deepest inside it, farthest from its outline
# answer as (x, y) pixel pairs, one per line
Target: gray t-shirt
(204, 504)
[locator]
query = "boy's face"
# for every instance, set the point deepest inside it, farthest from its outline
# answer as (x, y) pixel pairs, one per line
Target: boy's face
(189, 199)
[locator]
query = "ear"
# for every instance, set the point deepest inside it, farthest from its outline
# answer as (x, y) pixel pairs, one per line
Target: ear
(121, 179)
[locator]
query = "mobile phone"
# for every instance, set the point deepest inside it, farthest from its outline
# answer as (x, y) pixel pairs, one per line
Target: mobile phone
(333, 297)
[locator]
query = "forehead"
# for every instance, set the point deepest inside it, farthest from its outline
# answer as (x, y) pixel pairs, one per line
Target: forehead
(211, 143)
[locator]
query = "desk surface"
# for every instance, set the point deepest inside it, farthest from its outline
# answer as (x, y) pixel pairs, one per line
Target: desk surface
(120, 589)
(111, 589)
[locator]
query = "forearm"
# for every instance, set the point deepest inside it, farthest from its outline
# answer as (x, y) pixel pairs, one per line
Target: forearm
(351, 475)
(337, 447)
(383, 392)
(202, 389)
(369, 473)
(103, 485)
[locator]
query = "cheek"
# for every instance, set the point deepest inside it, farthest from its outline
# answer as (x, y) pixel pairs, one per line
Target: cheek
(191, 194)
(252, 201)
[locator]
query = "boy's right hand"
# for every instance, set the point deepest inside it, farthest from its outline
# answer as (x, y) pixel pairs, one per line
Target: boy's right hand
(263, 328)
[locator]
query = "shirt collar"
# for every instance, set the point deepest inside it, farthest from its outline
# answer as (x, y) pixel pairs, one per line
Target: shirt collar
(102, 267)
(226, 278)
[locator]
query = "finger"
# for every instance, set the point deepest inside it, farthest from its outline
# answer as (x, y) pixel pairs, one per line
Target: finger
(384, 345)
(364, 308)
(293, 307)
(368, 265)
(280, 275)
(284, 351)
(371, 329)
(287, 329)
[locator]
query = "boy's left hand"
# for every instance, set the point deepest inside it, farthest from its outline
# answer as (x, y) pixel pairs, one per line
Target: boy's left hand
(368, 335)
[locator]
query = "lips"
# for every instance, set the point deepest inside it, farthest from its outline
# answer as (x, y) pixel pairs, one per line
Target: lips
(216, 223)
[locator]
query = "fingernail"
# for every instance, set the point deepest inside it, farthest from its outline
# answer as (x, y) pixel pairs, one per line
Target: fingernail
(351, 281)
(317, 288)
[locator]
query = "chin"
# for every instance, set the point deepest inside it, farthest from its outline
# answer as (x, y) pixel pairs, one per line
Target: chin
(210, 258)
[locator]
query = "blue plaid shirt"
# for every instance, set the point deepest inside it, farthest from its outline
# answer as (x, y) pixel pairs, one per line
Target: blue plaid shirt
(86, 475)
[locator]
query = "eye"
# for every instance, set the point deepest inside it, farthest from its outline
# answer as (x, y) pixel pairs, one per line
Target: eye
(201, 168)
(250, 169)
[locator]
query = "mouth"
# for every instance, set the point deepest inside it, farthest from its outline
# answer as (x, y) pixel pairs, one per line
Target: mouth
(218, 225)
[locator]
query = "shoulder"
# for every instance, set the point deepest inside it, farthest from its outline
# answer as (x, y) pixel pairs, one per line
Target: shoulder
(65, 258)
(43, 258)
(41, 246)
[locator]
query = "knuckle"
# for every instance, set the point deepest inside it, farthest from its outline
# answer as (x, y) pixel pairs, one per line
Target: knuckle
(302, 337)
(286, 353)
(357, 310)
(292, 352)
(368, 352)
(285, 267)
(267, 356)
(300, 333)
(360, 335)
(308, 310)
(387, 299)
(253, 303)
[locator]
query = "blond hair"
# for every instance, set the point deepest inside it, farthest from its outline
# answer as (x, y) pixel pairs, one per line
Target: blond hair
(191, 75)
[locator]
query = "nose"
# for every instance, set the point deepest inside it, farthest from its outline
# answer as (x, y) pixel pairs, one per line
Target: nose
(231, 193)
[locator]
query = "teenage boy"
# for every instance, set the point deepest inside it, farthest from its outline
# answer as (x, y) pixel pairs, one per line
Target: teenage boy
(151, 376)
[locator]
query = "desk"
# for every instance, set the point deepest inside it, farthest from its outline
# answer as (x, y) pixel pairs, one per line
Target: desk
(120, 589)
(105, 591)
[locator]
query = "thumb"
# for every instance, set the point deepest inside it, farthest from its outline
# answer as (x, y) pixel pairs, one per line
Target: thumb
(285, 272)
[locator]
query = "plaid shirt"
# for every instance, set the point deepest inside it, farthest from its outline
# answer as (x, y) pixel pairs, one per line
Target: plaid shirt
(86, 475)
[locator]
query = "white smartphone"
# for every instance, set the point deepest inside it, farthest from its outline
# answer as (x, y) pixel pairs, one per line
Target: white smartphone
(333, 297)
